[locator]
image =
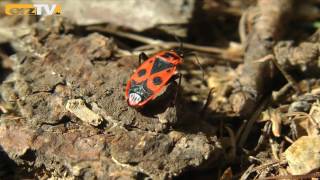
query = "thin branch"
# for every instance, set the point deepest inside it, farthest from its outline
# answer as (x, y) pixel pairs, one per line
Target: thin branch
(154, 42)
(252, 120)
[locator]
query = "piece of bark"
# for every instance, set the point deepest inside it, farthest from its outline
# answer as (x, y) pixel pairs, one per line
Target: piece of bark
(270, 16)
(56, 67)
(85, 152)
(302, 57)
(79, 109)
(13, 27)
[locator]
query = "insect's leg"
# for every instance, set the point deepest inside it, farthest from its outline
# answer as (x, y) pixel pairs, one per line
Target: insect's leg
(179, 75)
(206, 104)
(194, 54)
(142, 57)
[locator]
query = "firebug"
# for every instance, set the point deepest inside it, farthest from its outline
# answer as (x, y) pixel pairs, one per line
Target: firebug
(152, 76)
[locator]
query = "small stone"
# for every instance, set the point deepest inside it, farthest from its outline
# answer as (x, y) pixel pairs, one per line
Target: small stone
(303, 155)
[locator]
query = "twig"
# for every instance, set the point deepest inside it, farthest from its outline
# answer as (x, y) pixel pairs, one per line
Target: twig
(267, 22)
(233, 141)
(247, 173)
(251, 121)
(252, 169)
(240, 130)
(3, 109)
(268, 164)
(265, 132)
(288, 139)
(242, 27)
(274, 148)
(306, 176)
(153, 42)
(277, 95)
(277, 163)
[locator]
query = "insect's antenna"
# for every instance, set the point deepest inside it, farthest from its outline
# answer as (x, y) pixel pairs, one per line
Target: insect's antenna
(181, 50)
(198, 63)
(199, 66)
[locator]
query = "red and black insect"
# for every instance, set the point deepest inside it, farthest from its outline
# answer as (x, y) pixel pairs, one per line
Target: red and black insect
(152, 76)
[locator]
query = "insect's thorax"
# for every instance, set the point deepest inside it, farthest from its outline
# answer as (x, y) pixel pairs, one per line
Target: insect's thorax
(169, 56)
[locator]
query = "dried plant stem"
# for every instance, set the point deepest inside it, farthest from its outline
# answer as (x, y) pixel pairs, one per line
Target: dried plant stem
(153, 42)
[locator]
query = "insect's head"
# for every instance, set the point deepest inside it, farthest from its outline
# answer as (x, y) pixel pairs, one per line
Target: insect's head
(179, 50)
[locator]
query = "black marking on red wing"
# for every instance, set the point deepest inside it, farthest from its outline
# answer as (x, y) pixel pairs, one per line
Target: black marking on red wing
(141, 89)
(156, 80)
(160, 65)
(141, 72)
